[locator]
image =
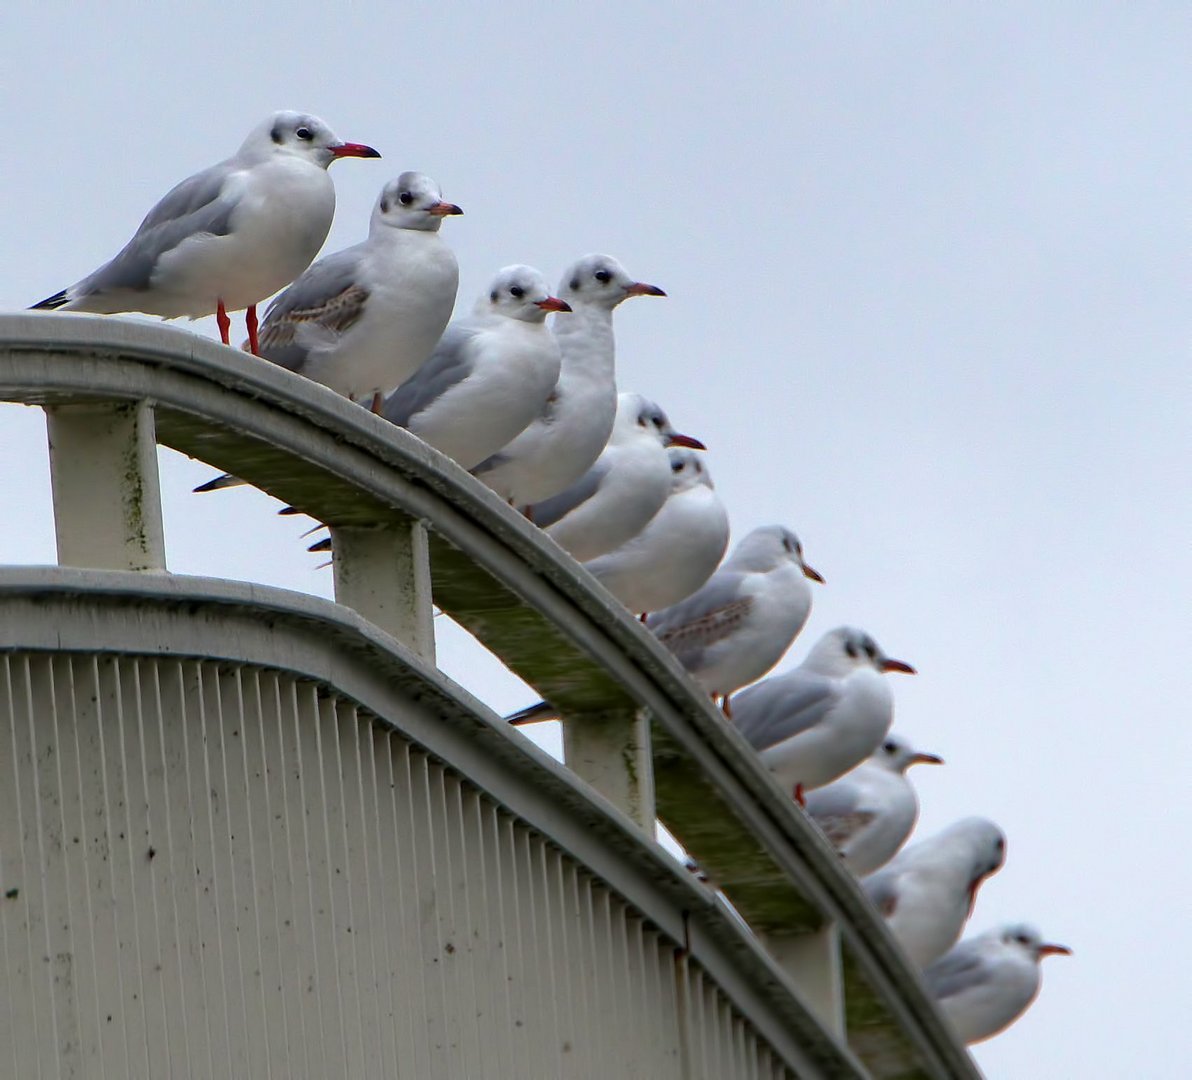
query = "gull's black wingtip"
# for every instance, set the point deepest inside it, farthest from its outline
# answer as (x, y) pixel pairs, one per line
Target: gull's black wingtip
(225, 480)
(321, 545)
(51, 303)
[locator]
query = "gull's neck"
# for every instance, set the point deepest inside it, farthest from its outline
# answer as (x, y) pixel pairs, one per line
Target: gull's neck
(587, 345)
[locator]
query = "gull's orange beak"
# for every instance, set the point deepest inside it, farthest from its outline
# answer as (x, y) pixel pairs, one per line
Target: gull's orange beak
(444, 209)
(553, 303)
(675, 439)
(811, 572)
(640, 288)
(1054, 950)
(353, 149)
(897, 665)
(926, 759)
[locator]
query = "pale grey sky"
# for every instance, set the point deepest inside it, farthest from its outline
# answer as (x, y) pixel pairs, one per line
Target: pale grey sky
(928, 270)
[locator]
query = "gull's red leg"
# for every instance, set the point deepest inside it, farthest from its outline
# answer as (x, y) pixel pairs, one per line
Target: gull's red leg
(798, 793)
(225, 324)
(377, 401)
(726, 707)
(250, 318)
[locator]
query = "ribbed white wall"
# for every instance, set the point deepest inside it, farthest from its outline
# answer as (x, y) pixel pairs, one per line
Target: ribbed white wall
(209, 870)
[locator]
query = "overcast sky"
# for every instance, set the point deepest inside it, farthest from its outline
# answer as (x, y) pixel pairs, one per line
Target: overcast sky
(928, 270)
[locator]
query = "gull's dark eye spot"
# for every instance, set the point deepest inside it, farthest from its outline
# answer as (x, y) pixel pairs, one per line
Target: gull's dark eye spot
(1022, 939)
(575, 284)
(676, 466)
(1001, 844)
(851, 649)
(405, 198)
(384, 206)
(890, 747)
(603, 276)
(304, 133)
(493, 296)
(276, 134)
(517, 291)
(870, 650)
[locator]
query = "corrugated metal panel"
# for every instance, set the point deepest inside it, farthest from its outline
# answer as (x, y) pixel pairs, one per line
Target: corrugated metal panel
(222, 870)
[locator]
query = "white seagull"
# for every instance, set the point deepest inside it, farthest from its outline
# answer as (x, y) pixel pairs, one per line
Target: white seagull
(616, 498)
(678, 550)
(928, 891)
(489, 375)
(813, 724)
(739, 624)
(988, 981)
(229, 236)
(566, 438)
(364, 319)
(869, 813)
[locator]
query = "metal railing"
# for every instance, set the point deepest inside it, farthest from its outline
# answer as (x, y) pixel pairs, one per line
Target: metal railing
(639, 968)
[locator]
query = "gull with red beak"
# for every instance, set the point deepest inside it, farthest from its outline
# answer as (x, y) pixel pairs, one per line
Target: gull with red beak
(739, 625)
(927, 893)
(869, 813)
(988, 981)
(488, 376)
(229, 236)
(566, 438)
(813, 724)
(616, 498)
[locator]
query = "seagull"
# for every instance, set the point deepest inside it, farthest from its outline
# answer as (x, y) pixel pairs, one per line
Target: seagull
(738, 625)
(489, 375)
(616, 498)
(678, 550)
(869, 813)
(928, 891)
(813, 724)
(363, 320)
(988, 981)
(567, 436)
(229, 236)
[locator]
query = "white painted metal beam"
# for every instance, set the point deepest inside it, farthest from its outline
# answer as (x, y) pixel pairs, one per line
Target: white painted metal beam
(107, 498)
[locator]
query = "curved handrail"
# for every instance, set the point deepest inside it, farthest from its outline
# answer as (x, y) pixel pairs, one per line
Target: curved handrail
(523, 597)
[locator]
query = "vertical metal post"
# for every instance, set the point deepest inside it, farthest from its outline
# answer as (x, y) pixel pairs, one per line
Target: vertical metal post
(813, 963)
(611, 751)
(107, 497)
(384, 574)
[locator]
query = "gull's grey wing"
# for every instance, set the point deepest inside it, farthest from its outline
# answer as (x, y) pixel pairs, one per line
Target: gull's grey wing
(836, 810)
(963, 967)
(783, 706)
(201, 204)
(706, 617)
(324, 302)
(450, 363)
(552, 510)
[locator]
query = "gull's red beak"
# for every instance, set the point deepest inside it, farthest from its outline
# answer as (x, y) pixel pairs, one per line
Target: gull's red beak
(640, 288)
(444, 209)
(353, 149)
(926, 759)
(675, 439)
(811, 572)
(1054, 950)
(897, 665)
(553, 303)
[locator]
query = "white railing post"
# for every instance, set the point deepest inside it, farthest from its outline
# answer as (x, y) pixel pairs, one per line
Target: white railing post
(813, 963)
(107, 497)
(383, 572)
(611, 751)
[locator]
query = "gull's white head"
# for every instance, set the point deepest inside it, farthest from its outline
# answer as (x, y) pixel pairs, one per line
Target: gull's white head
(520, 292)
(980, 845)
(638, 416)
(897, 755)
(769, 547)
(300, 135)
(846, 649)
(601, 281)
(412, 201)
(1024, 938)
(687, 470)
